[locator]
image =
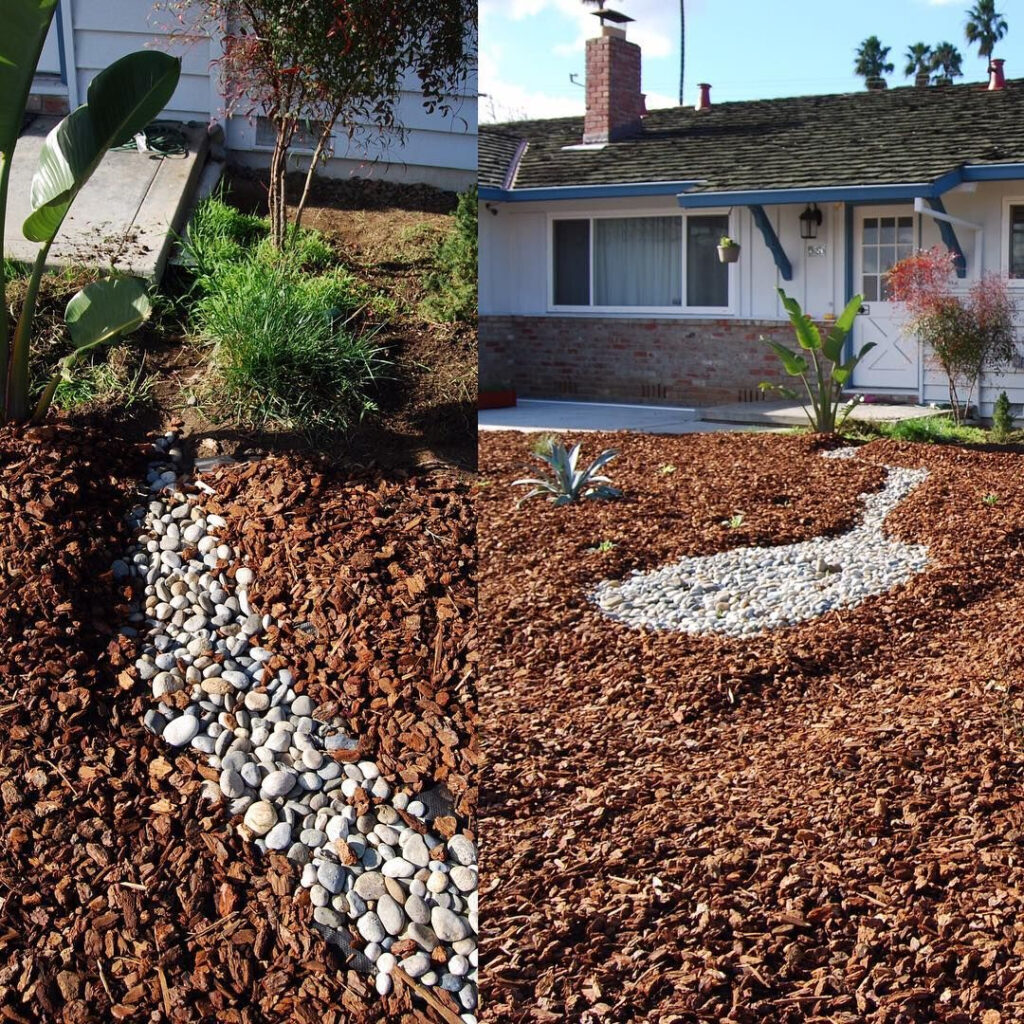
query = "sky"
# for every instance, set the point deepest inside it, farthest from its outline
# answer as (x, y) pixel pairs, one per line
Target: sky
(747, 49)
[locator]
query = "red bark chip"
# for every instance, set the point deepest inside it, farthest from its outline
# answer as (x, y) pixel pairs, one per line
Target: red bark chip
(123, 895)
(816, 824)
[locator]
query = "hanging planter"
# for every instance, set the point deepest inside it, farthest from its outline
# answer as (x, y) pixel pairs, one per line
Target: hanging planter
(728, 250)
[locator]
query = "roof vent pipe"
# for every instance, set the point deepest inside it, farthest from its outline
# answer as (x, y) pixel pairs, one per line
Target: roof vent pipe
(996, 79)
(704, 99)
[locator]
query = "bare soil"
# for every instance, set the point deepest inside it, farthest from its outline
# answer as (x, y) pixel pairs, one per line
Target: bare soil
(817, 824)
(123, 895)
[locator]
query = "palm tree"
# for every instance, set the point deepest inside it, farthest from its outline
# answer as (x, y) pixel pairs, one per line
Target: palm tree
(871, 62)
(918, 63)
(946, 62)
(985, 26)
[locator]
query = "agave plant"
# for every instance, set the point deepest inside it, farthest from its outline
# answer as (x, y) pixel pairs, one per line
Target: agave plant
(819, 364)
(121, 101)
(567, 483)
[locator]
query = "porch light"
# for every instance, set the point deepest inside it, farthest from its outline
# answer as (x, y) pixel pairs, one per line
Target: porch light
(810, 221)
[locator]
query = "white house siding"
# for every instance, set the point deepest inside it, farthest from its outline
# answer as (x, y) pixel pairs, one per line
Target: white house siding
(437, 150)
(105, 30)
(514, 258)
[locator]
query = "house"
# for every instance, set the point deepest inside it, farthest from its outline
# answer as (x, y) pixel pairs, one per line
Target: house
(599, 276)
(87, 35)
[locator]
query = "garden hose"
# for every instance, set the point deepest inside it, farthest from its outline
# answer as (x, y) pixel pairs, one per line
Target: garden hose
(163, 138)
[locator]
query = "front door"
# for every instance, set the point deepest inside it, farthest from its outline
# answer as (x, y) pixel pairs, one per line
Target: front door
(882, 235)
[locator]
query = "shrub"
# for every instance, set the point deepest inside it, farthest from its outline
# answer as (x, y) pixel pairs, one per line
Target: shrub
(452, 283)
(1002, 420)
(967, 334)
(830, 376)
(284, 349)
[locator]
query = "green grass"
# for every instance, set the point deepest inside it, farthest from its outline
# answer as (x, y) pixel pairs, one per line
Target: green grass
(283, 350)
(102, 381)
(290, 344)
(934, 430)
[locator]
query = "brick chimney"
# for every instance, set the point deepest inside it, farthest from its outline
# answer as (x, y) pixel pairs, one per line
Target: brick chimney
(615, 103)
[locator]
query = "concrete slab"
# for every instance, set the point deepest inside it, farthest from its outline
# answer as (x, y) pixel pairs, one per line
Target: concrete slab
(127, 215)
(791, 414)
(532, 415)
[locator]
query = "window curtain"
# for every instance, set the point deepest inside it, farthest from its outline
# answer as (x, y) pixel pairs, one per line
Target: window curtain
(638, 261)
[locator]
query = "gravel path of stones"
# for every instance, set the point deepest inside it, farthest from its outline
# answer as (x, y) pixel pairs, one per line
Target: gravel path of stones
(380, 873)
(747, 590)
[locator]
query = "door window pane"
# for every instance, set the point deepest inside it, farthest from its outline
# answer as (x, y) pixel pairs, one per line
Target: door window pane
(905, 231)
(707, 279)
(638, 261)
(1017, 241)
(870, 289)
(572, 262)
(886, 257)
(870, 260)
(871, 231)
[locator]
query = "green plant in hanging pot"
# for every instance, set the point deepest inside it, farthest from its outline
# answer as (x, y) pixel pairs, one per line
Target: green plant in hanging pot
(121, 101)
(728, 249)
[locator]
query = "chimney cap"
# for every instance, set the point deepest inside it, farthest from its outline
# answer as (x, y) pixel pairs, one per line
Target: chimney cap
(607, 14)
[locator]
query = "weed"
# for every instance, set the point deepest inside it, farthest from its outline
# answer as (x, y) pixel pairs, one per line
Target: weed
(107, 381)
(220, 236)
(933, 430)
(991, 499)
(734, 522)
(667, 470)
(543, 444)
(604, 547)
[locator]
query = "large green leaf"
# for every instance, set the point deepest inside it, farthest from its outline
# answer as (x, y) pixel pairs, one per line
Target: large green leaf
(833, 345)
(25, 24)
(122, 100)
(807, 335)
(795, 365)
(104, 310)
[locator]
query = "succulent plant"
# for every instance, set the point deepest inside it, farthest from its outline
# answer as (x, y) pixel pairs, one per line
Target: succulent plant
(567, 483)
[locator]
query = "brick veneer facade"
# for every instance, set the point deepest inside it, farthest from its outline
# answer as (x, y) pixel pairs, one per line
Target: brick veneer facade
(615, 104)
(656, 360)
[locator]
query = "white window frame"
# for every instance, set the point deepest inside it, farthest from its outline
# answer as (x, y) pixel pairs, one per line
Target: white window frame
(591, 215)
(1004, 234)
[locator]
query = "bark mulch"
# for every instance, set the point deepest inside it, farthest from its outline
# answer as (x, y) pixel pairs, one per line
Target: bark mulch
(123, 895)
(818, 824)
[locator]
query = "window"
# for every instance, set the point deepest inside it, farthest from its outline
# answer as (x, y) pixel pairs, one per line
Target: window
(1016, 265)
(884, 241)
(707, 279)
(640, 262)
(572, 262)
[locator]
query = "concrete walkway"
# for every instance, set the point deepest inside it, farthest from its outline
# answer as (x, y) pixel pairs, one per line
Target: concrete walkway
(533, 415)
(125, 216)
(791, 414)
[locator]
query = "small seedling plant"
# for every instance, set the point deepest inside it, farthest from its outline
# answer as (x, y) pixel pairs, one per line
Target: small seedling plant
(991, 500)
(819, 365)
(567, 483)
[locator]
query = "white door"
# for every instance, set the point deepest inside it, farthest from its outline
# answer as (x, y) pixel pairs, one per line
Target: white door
(882, 235)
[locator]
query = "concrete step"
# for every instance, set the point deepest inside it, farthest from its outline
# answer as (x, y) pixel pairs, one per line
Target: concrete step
(791, 414)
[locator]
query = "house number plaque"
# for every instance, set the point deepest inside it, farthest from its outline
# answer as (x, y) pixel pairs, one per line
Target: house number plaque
(815, 250)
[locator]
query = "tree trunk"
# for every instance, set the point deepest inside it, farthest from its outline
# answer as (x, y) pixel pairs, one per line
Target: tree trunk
(321, 144)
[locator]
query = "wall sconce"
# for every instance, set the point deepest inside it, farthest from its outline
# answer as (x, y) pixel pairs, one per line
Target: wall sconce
(492, 210)
(810, 221)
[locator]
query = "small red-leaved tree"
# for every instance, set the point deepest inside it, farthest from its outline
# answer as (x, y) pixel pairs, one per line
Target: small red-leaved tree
(968, 334)
(322, 65)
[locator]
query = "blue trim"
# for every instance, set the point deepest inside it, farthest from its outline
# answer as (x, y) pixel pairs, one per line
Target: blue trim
(837, 193)
(60, 44)
(771, 239)
(624, 191)
(949, 239)
(993, 172)
(848, 274)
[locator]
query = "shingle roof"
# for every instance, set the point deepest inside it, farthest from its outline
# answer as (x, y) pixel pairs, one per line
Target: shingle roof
(864, 138)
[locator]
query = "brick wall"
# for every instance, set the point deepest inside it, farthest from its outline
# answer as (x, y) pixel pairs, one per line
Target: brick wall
(652, 360)
(614, 101)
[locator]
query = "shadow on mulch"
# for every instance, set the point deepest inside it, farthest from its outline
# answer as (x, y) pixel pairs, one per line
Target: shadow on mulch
(123, 896)
(820, 823)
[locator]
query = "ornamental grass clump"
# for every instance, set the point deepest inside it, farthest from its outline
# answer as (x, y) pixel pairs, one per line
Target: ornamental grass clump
(968, 334)
(567, 483)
